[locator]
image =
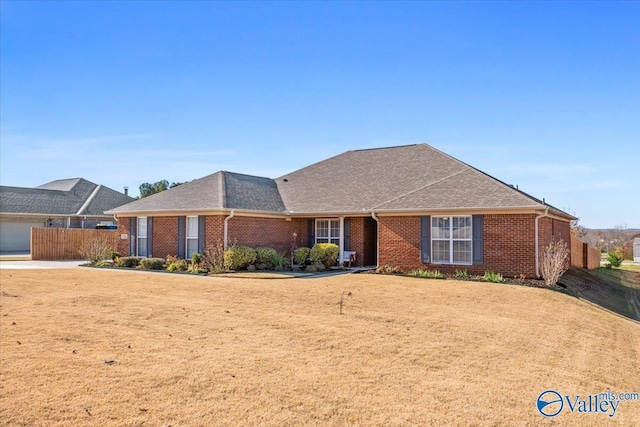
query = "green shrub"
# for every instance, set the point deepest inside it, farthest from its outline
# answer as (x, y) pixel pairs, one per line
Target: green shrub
(238, 257)
(427, 274)
(196, 258)
(152, 263)
(493, 277)
(326, 253)
(462, 273)
(129, 261)
(103, 264)
(301, 255)
(265, 258)
(178, 265)
(614, 259)
(115, 255)
(280, 262)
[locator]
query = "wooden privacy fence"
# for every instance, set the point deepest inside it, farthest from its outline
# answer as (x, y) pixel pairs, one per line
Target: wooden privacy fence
(583, 255)
(65, 243)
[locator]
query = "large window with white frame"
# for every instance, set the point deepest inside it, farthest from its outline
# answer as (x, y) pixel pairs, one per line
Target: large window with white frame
(328, 231)
(451, 240)
(142, 236)
(191, 236)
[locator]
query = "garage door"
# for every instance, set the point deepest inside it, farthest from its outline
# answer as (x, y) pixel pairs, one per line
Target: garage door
(16, 236)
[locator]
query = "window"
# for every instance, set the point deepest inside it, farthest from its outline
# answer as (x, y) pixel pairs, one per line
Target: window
(142, 236)
(328, 231)
(192, 236)
(451, 240)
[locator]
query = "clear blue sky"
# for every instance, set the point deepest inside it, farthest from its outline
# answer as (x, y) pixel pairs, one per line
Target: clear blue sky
(542, 95)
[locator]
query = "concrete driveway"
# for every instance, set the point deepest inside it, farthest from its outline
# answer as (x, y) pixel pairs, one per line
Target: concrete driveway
(22, 265)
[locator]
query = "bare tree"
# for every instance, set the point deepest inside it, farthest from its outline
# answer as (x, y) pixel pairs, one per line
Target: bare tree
(554, 261)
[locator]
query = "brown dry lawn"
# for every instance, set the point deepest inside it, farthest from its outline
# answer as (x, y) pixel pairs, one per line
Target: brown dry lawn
(205, 351)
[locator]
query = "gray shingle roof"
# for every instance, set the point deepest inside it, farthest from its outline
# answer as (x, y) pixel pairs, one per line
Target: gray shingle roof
(221, 190)
(68, 197)
(413, 177)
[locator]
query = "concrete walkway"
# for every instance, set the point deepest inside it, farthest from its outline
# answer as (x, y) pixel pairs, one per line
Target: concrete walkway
(25, 265)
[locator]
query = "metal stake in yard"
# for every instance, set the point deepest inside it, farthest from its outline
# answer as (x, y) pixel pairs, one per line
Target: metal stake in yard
(341, 302)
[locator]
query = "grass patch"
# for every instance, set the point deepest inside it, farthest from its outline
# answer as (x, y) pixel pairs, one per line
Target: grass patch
(107, 347)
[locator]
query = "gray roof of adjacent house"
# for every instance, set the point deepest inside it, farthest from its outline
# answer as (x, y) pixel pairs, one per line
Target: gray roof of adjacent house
(67, 197)
(406, 178)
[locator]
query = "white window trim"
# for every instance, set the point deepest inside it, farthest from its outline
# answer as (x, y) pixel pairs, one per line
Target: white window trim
(451, 239)
(187, 237)
(329, 237)
(139, 236)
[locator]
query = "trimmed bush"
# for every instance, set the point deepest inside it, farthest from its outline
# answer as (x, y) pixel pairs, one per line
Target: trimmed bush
(129, 261)
(238, 257)
(152, 263)
(301, 255)
(326, 253)
(114, 256)
(265, 258)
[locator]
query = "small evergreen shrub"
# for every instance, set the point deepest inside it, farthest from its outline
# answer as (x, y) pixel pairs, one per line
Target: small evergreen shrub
(114, 256)
(103, 264)
(301, 255)
(238, 257)
(265, 258)
(326, 253)
(129, 261)
(614, 259)
(280, 262)
(492, 277)
(152, 263)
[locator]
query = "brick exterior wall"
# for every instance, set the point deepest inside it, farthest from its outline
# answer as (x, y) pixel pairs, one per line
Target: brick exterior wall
(165, 236)
(123, 244)
(274, 233)
(508, 241)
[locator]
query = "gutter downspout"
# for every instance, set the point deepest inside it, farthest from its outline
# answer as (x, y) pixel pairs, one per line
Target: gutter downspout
(373, 215)
(546, 212)
(226, 228)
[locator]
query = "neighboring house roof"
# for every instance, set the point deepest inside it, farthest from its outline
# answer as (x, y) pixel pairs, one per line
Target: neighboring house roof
(406, 178)
(68, 197)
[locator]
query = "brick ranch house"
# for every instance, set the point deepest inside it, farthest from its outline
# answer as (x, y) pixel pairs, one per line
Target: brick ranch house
(409, 206)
